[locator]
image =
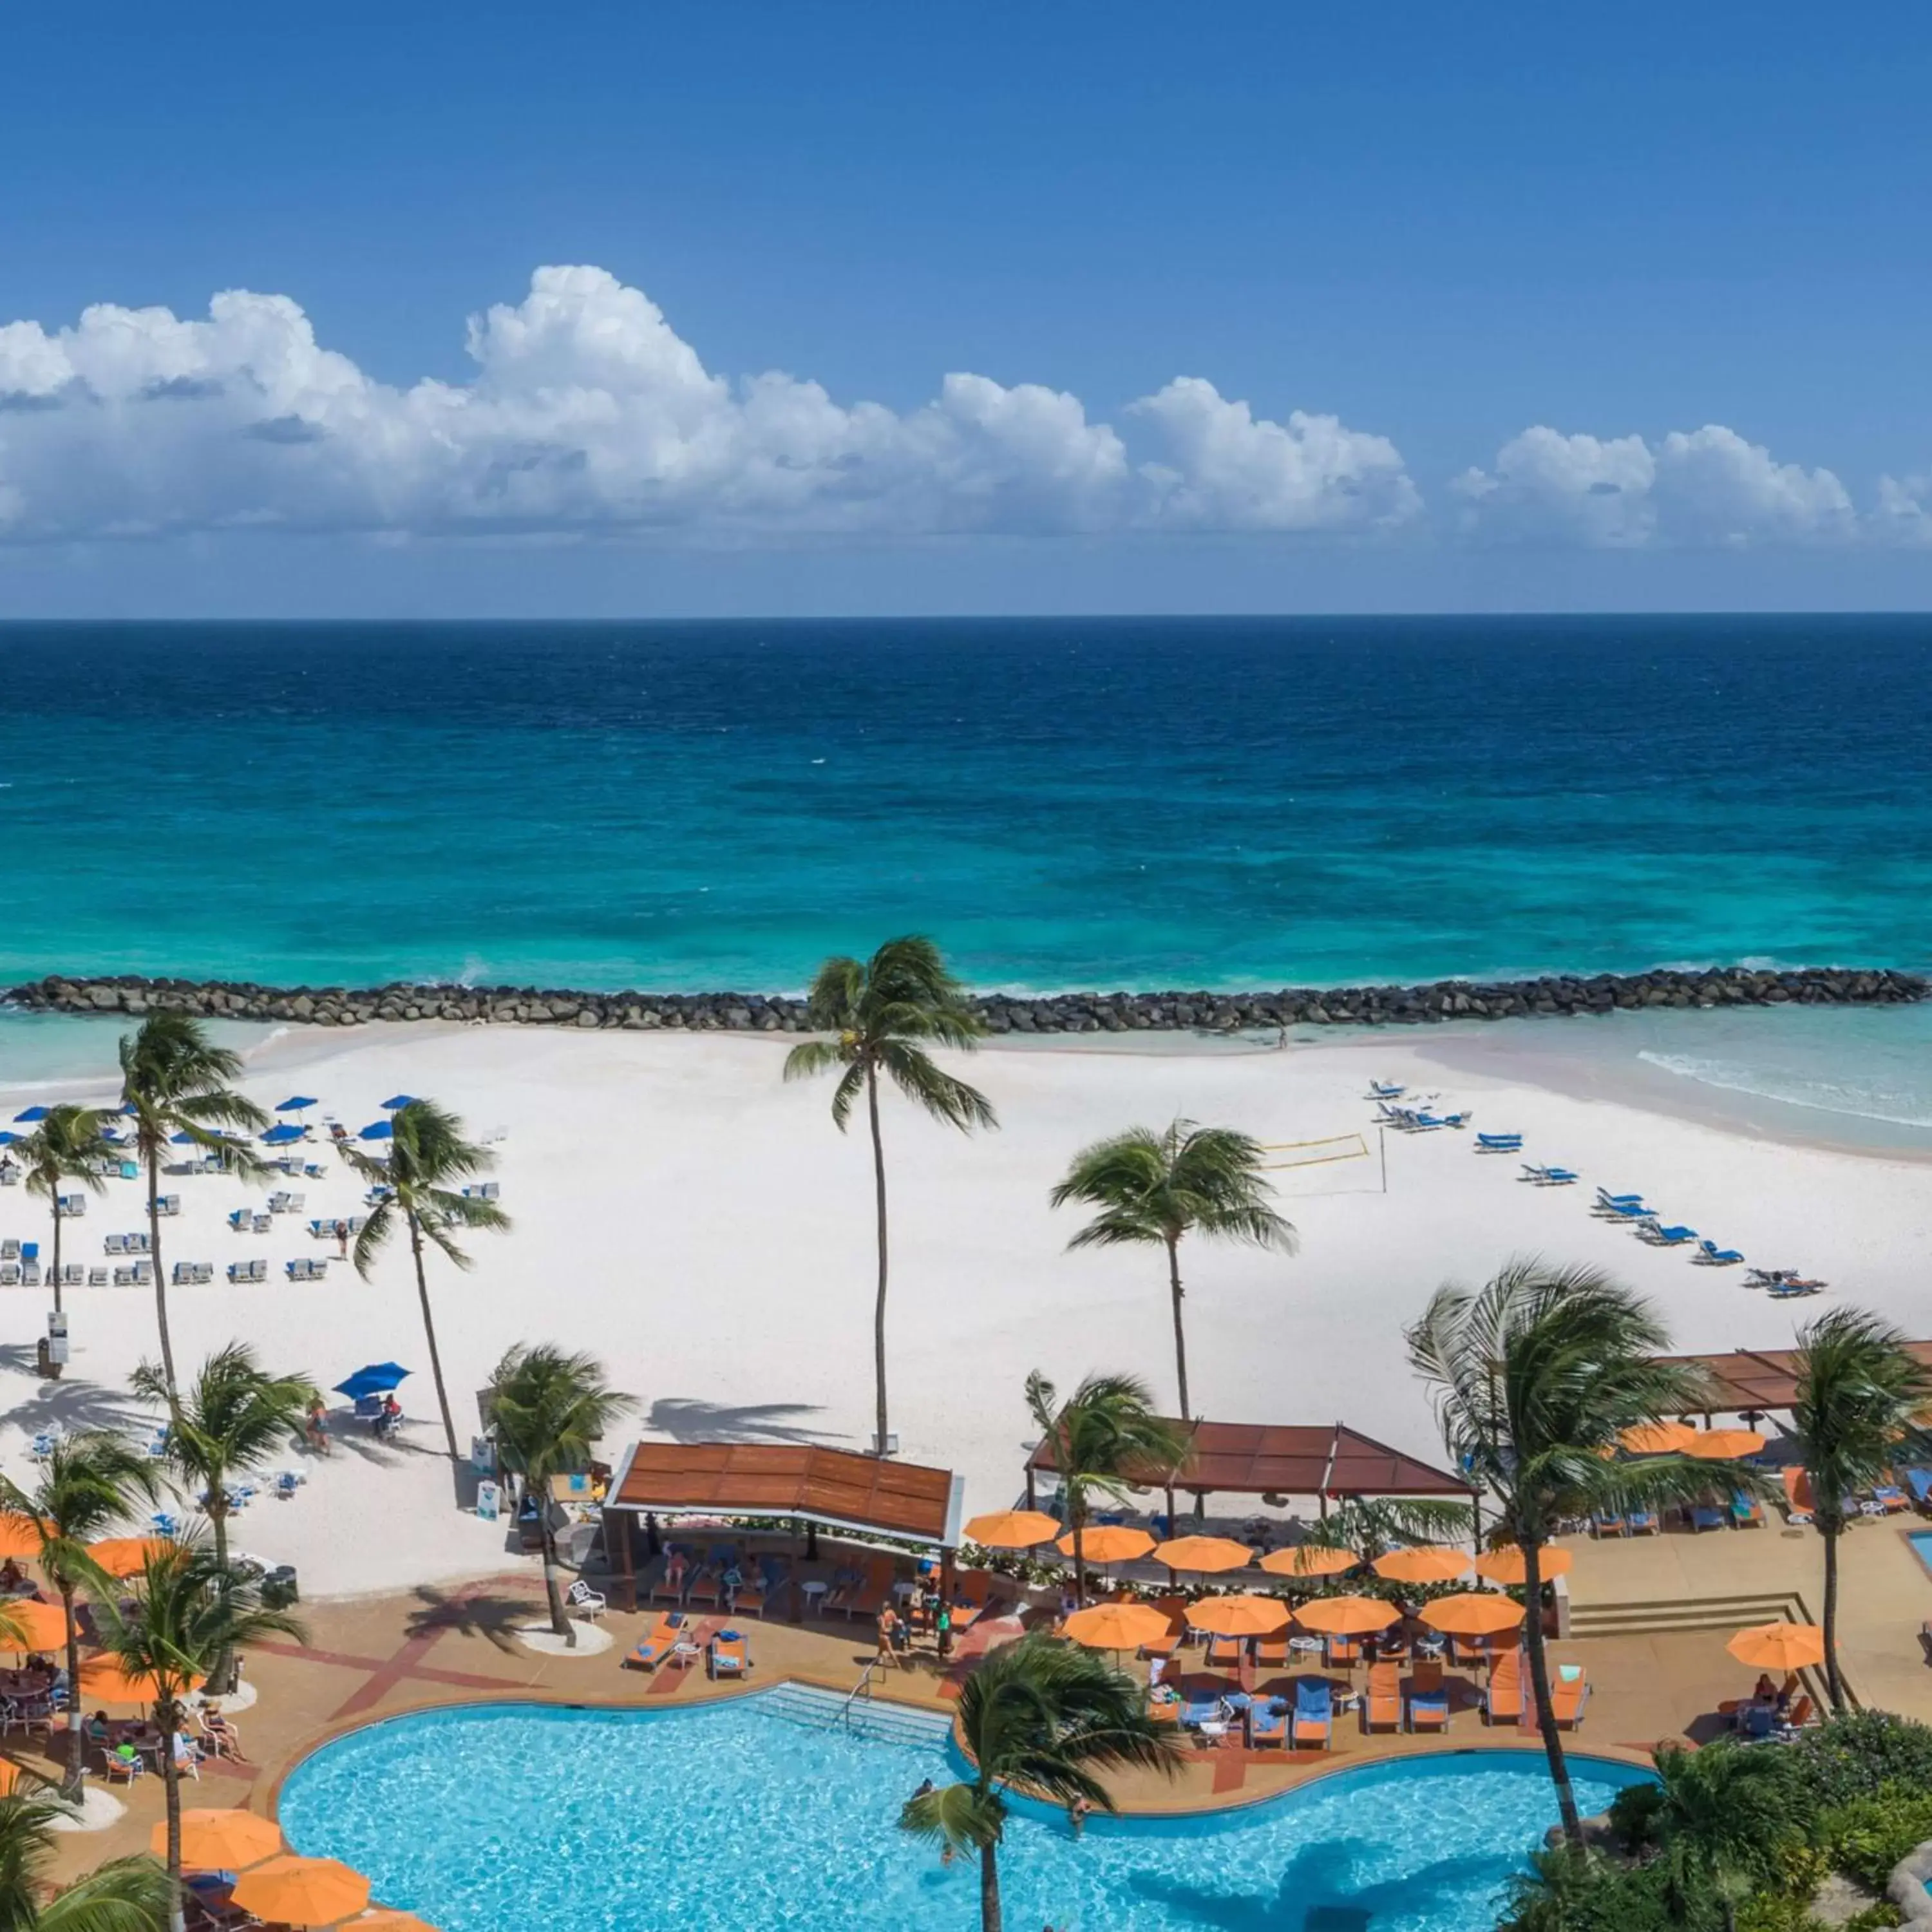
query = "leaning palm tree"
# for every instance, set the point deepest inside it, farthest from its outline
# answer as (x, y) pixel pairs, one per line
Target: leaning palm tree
(232, 1418)
(187, 1611)
(884, 1012)
(1038, 1717)
(125, 1894)
(175, 1081)
(1153, 1190)
(551, 1410)
(66, 1145)
(428, 1157)
(89, 1484)
(1533, 1378)
(1106, 1441)
(1859, 1392)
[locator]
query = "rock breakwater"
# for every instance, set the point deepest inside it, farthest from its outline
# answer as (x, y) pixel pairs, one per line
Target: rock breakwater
(1556, 995)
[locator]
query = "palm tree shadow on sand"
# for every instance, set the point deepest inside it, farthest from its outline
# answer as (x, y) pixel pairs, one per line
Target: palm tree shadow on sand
(1318, 1893)
(689, 1419)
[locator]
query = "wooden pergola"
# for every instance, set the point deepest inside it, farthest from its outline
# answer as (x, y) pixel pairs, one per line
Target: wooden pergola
(813, 1488)
(1757, 1381)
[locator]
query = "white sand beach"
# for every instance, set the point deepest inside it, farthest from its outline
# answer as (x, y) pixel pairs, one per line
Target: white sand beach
(704, 1228)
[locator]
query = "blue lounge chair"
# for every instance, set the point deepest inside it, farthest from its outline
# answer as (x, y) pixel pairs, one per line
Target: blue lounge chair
(1386, 1090)
(1672, 1236)
(1643, 1522)
(1919, 1482)
(1268, 1721)
(1314, 1713)
(1606, 1522)
(1704, 1517)
(1549, 1176)
(1745, 1513)
(1713, 1256)
(1499, 1143)
(1605, 1198)
(1422, 1119)
(1633, 1211)
(1793, 1290)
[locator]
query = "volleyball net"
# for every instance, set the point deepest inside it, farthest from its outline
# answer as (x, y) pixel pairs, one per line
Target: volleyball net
(1316, 1153)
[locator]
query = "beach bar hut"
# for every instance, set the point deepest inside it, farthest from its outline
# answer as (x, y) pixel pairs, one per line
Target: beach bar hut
(1757, 1381)
(821, 1489)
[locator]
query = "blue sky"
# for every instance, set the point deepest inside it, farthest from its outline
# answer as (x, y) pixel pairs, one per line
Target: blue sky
(1498, 258)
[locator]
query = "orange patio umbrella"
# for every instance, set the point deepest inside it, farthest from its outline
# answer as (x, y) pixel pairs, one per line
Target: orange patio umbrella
(1506, 1565)
(123, 1555)
(18, 1536)
(1779, 1646)
(10, 1777)
(1207, 1554)
(301, 1891)
(1118, 1626)
(1347, 1616)
(223, 1840)
(1107, 1542)
(386, 1918)
(1475, 1613)
(27, 1625)
(103, 1682)
(1656, 1438)
(1309, 1559)
(1723, 1445)
(1012, 1529)
(1428, 1563)
(1238, 1615)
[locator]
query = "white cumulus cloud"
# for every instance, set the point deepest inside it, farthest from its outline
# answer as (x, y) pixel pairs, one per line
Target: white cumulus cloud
(587, 412)
(1707, 487)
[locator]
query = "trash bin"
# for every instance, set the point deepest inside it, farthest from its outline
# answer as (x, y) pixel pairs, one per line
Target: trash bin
(278, 1588)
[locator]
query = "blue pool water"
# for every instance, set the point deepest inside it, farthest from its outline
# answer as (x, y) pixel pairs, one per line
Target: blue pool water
(732, 1818)
(1921, 1541)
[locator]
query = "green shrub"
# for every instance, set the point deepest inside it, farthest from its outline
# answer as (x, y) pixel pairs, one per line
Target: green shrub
(1559, 1894)
(1866, 1836)
(1634, 1814)
(1873, 1917)
(1853, 1756)
(1776, 1912)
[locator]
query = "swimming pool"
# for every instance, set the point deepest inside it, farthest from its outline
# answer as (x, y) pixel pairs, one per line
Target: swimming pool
(737, 1816)
(1921, 1541)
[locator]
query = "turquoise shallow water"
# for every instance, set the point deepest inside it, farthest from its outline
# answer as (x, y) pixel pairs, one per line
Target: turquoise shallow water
(727, 1820)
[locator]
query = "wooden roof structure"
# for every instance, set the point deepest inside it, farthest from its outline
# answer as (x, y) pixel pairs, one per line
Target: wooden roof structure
(1326, 1459)
(837, 1488)
(1751, 1382)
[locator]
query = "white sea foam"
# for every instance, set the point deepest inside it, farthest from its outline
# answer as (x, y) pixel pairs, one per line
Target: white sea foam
(1863, 1100)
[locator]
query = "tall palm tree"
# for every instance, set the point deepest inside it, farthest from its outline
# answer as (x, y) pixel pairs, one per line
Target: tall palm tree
(186, 1612)
(1373, 1526)
(1858, 1391)
(1534, 1377)
(66, 1145)
(1106, 1440)
(232, 1419)
(428, 1159)
(884, 1012)
(88, 1485)
(1153, 1190)
(174, 1080)
(1720, 1817)
(1040, 1718)
(551, 1410)
(125, 1894)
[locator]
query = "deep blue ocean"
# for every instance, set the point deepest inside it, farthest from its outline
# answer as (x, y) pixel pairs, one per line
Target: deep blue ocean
(1149, 802)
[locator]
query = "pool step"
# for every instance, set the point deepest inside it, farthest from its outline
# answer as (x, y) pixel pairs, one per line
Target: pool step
(1686, 1613)
(861, 1717)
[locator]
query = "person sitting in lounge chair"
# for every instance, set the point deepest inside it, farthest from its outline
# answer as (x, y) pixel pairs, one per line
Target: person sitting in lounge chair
(1268, 1722)
(730, 1655)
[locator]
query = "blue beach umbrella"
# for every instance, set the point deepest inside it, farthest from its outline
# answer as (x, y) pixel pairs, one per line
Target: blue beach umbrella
(281, 1136)
(181, 1140)
(297, 1103)
(377, 1378)
(32, 1114)
(7, 1140)
(396, 1100)
(377, 1130)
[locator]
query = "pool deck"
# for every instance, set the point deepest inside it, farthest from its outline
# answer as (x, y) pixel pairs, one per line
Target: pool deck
(1651, 1678)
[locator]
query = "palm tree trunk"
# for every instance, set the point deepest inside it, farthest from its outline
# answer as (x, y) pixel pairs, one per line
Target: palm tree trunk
(165, 1709)
(429, 1334)
(879, 1308)
(1835, 1685)
(1539, 1678)
(161, 1277)
(1179, 1332)
(216, 1503)
(76, 1737)
(558, 1622)
(1076, 1511)
(57, 1247)
(990, 1919)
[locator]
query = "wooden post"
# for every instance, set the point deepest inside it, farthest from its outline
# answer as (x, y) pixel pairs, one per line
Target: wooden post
(1033, 1501)
(617, 1522)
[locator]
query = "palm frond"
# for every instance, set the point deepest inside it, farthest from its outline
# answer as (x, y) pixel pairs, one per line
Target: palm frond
(943, 1095)
(126, 1894)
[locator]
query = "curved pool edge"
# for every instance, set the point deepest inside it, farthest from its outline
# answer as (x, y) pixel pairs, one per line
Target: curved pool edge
(1229, 1804)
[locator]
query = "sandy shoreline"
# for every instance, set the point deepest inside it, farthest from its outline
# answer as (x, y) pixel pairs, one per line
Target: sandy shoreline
(704, 1229)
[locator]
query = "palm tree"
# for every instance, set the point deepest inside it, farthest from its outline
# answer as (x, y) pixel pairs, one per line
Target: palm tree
(1720, 1817)
(884, 1012)
(551, 1410)
(1040, 1718)
(1106, 1440)
(1154, 1189)
(125, 1894)
(1858, 1391)
(67, 1145)
(186, 1612)
(233, 1417)
(174, 1080)
(88, 1485)
(1372, 1526)
(428, 1157)
(1534, 1377)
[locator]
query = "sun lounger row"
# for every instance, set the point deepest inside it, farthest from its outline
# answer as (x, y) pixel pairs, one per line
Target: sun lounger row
(325, 1230)
(244, 1271)
(727, 1655)
(484, 1190)
(12, 1249)
(128, 1244)
(166, 1205)
(1549, 1176)
(1418, 1120)
(72, 1206)
(287, 1204)
(314, 1270)
(187, 1274)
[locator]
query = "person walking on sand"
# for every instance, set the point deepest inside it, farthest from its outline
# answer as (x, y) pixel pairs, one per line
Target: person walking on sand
(342, 1240)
